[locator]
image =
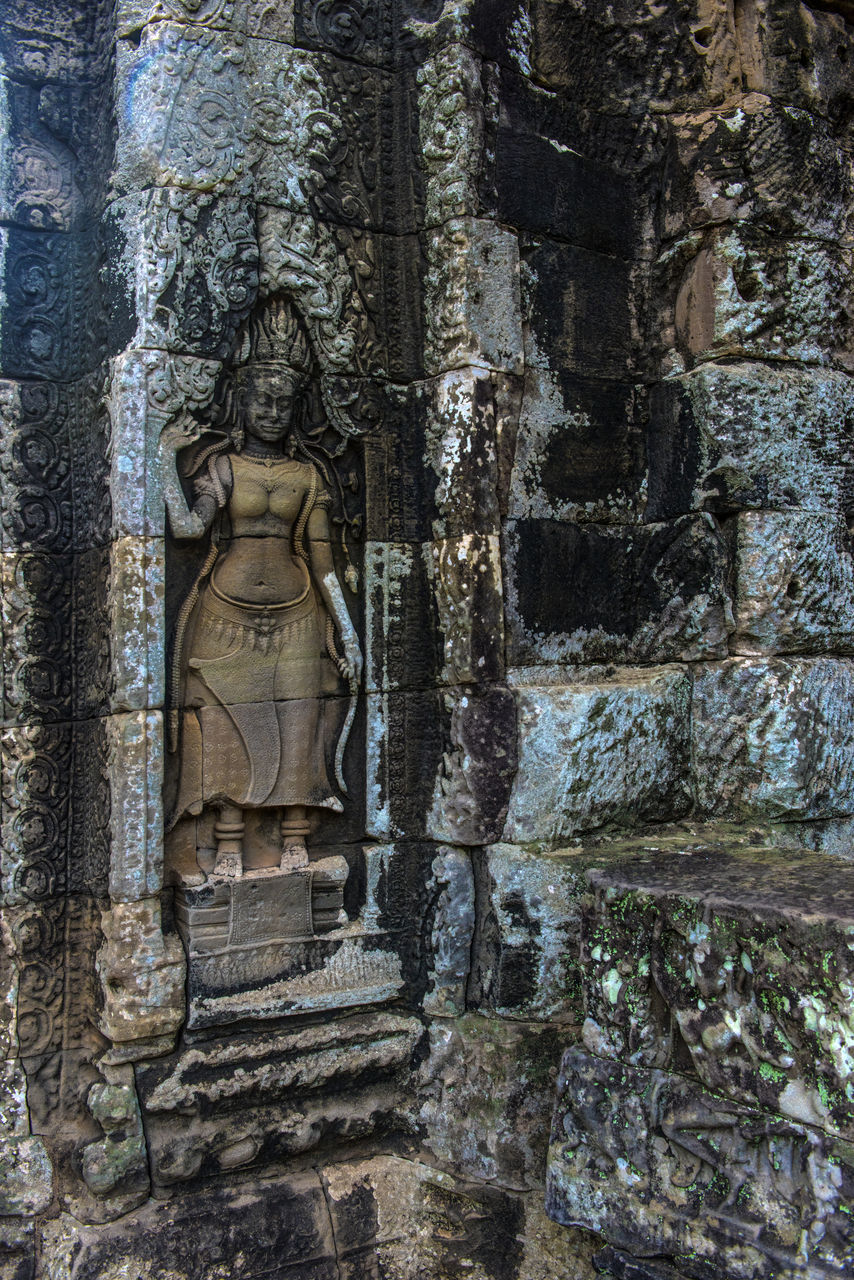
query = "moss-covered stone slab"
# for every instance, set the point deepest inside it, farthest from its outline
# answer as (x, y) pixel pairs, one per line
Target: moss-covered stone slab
(732, 964)
(661, 1165)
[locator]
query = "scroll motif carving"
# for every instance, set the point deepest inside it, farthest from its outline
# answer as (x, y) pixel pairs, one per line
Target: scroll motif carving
(451, 128)
(347, 27)
(197, 274)
(36, 771)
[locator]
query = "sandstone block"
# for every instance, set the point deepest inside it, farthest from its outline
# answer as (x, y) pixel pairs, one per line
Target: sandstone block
(256, 951)
(136, 601)
(774, 738)
(142, 972)
(752, 161)
(55, 820)
(463, 425)
(472, 297)
(452, 932)
(739, 293)
(401, 647)
(658, 1164)
(794, 583)
(579, 450)
(433, 1223)
(48, 939)
(582, 311)
(651, 57)
(475, 774)
(833, 835)
(398, 1214)
(262, 1225)
(499, 1134)
(214, 111)
(528, 934)
(729, 962)
(614, 592)
(134, 771)
(729, 437)
(465, 576)
(606, 748)
(405, 739)
(18, 1249)
(418, 881)
(27, 1187)
(254, 1100)
(796, 54)
(51, 42)
(206, 273)
(470, 429)
(549, 171)
(56, 634)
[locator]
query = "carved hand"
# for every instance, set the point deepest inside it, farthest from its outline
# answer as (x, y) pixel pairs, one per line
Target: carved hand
(350, 665)
(178, 435)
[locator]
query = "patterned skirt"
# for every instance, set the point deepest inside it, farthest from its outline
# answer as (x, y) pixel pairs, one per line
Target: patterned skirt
(259, 724)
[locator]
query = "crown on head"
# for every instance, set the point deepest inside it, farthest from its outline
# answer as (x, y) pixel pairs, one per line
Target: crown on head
(274, 334)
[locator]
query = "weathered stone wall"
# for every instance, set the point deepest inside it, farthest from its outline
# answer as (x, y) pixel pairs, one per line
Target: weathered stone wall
(576, 281)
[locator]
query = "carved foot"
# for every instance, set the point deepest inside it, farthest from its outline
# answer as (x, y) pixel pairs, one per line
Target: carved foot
(228, 833)
(294, 828)
(228, 864)
(294, 856)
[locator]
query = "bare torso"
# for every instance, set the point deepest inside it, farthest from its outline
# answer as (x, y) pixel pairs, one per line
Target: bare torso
(257, 565)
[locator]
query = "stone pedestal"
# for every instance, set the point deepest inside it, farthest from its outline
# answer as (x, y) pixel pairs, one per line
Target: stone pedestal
(271, 943)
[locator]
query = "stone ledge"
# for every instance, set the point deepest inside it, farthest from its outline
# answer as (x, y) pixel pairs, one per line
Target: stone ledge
(707, 1114)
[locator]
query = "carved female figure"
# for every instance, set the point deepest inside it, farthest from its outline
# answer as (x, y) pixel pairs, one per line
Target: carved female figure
(256, 651)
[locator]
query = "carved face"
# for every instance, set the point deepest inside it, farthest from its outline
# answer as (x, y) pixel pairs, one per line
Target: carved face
(268, 403)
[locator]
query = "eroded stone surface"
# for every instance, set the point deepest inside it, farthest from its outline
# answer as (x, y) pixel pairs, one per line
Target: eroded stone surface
(735, 436)
(602, 592)
(609, 747)
(658, 1163)
(499, 1135)
(717, 990)
(773, 738)
(794, 584)
(528, 934)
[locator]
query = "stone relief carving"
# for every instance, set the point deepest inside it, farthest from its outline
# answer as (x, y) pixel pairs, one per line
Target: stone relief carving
(256, 662)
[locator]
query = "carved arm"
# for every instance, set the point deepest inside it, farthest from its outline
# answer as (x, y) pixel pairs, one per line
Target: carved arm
(183, 521)
(320, 550)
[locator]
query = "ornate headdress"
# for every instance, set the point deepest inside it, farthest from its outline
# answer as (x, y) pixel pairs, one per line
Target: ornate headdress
(274, 334)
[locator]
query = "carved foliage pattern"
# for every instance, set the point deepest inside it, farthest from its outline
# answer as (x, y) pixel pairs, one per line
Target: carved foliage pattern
(53, 466)
(197, 271)
(451, 129)
(210, 111)
(55, 153)
(56, 811)
(50, 282)
(56, 636)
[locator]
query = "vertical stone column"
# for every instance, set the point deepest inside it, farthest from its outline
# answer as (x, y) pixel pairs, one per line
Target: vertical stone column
(54, 552)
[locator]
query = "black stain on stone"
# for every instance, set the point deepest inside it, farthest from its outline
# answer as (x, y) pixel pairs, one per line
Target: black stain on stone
(612, 578)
